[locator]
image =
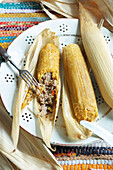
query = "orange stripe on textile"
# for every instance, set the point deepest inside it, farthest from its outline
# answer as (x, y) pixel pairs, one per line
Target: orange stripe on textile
(68, 167)
(5, 45)
(75, 167)
(87, 167)
(90, 166)
(79, 166)
(83, 166)
(71, 167)
(97, 166)
(100, 166)
(10, 33)
(108, 167)
(104, 166)
(22, 15)
(64, 167)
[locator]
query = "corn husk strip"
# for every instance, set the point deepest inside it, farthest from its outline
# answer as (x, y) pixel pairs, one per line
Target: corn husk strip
(31, 152)
(100, 24)
(23, 160)
(30, 66)
(4, 163)
(42, 39)
(98, 54)
(106, 7)
(54, 7)
(70, 10)
(20, 159)
(73, 128)
(52, 16)
(41, 149)
(109, 4)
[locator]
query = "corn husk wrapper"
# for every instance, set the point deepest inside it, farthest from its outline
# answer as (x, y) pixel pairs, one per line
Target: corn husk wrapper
(98, 54)
(42, 39)
(31, 152)
(73, 127)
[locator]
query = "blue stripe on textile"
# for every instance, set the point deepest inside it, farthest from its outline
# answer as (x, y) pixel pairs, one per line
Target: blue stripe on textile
(40, 19)
(20, 5)
(7, 39)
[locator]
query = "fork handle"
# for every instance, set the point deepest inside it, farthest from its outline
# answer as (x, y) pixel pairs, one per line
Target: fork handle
(4, 54)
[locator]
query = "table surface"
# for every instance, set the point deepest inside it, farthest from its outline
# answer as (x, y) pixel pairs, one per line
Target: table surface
(16, 18)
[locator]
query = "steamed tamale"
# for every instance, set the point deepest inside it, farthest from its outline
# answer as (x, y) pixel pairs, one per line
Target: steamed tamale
(48, 75)
(98, 54)
(41, 59)
(81, 91)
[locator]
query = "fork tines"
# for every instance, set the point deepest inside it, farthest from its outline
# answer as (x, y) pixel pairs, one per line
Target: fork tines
(29, 79)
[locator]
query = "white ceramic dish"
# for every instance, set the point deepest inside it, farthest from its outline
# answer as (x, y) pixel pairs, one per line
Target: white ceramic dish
(68, 32)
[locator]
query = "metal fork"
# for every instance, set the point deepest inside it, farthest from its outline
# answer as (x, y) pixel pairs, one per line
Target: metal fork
(24, 74)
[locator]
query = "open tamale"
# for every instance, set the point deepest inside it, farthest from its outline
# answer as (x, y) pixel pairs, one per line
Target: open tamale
(47, 102)
(42, 62)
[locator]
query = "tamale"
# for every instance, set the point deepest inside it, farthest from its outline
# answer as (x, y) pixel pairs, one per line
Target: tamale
(81, 92)
(98, 54)
(47, 103)
(43, 51)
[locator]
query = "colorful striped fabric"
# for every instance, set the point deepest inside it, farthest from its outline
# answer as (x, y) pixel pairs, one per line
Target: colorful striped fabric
(16, 18)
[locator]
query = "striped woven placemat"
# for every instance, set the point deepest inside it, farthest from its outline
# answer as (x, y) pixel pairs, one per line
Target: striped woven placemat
(16, 18)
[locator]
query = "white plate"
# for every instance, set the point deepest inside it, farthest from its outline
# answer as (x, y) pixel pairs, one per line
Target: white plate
(68, 32)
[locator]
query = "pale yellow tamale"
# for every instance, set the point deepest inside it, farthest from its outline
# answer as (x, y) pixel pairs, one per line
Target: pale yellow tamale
(80, 90)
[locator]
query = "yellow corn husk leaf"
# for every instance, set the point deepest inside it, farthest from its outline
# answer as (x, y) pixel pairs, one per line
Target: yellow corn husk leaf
(46, 36)
(82, 103)
(31, 152)
(98, 54)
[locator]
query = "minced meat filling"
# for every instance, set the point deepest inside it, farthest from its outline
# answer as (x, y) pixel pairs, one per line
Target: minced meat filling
(48, 95)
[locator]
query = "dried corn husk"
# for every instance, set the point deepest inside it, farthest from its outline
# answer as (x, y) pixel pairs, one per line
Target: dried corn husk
(31, 152)
(106, 7)
(97, 9)
(4, 163)
(42, 39)
(73, 128)
(52, 16)
(98, 54)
